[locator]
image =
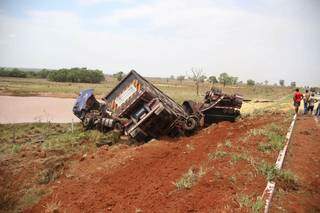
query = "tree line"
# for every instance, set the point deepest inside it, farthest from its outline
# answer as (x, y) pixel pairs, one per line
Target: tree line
(224, 79)
(77, 75)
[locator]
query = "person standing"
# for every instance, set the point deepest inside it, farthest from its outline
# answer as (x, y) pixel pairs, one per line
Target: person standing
(318, 109)
(306, 102)
(297, 97)
(311, 102)
(317, 112)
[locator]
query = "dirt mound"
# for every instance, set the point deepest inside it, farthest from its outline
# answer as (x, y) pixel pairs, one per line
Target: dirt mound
(213, 170)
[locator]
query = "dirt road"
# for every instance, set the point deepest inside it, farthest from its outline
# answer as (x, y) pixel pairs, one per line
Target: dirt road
(303, 160)
(15, 109)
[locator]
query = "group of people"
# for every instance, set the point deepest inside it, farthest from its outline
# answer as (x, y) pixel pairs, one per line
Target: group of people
(309, 101)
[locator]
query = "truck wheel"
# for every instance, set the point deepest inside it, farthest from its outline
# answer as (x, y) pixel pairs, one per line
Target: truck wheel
(190, 124)
(118, 127)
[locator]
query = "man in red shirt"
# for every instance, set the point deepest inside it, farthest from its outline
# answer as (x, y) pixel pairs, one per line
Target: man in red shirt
(297, 97)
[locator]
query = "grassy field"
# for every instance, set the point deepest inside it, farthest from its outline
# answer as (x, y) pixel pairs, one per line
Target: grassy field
(178, 91)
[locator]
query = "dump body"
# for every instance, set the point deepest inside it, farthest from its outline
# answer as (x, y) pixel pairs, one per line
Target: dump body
(221, 107)
(217, 106)
(150, 112)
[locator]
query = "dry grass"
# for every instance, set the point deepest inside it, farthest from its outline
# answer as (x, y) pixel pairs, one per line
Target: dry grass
(178, 91)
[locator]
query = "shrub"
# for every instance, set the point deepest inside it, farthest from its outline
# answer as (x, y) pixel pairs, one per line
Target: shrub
(12, 73)
(78, 75)
(251, 82)
(118, 75)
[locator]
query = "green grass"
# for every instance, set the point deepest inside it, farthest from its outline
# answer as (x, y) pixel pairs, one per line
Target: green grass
(246, 201)
(217, 154)
(268, 170)
(287, 178)
(47, 136)
(275, 135)
(189, 178)
(237, 157)
(258, 205)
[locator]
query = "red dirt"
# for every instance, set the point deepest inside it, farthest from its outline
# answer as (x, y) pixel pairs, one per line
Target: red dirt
(303, 160)
(128, 179)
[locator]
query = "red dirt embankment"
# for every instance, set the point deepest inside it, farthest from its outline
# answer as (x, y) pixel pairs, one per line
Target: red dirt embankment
(142, 178)
(303, 159)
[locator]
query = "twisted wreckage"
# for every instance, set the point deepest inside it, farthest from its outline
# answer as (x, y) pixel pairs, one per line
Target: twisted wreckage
(140, 110)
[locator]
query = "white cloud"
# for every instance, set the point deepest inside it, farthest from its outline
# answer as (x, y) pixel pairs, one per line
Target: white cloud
(169, 37)
(93, 2)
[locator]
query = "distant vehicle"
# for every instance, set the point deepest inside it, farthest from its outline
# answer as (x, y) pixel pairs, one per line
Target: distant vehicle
(140, 110)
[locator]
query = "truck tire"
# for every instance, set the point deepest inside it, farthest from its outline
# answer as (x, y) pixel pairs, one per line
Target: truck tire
(191, 124)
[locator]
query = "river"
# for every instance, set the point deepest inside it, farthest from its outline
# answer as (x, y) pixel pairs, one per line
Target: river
(14, 109)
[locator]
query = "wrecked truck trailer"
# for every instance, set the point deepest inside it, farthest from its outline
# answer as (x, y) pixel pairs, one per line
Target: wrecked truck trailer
(216, 107)
(149, 113)
(137, 108)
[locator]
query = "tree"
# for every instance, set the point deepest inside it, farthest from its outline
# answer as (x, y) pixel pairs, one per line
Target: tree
(202, 78)
(79, 75)
(281, 83)
(293, 84)
(233, 80)
(180, 78)
(213, 80)
(43, 73)
(197, 77)
(224, 79)
(118, 75)
(266, 82)
(251, 82)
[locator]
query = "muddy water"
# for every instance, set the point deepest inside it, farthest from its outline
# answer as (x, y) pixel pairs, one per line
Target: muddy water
(36, 109)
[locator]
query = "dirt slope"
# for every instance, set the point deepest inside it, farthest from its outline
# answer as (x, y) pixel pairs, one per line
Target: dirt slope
(303, 160)
(135, 179)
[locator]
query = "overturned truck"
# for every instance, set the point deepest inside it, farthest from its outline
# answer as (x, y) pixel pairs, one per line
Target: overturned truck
(215, 107)
(140, 110)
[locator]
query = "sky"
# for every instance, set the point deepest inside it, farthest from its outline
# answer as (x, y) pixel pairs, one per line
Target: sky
(260, 40)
